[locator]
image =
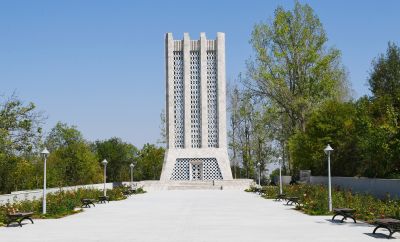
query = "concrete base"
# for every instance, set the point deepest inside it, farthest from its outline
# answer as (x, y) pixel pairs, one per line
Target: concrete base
(238, 184)
(171, 155)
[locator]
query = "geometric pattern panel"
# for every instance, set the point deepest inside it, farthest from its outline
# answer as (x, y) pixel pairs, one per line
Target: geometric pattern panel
(181, 170)
(212, 99)
(195, 114)
(207, 166)
(179, 100)
(211, 170)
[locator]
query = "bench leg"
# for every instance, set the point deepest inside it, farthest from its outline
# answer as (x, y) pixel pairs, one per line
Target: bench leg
(384, 227)
(27, 218)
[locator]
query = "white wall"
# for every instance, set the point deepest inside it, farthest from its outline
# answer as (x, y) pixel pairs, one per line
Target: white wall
(377, 187)
(37, 194)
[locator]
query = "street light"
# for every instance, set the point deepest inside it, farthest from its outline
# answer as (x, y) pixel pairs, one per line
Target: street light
(44, 153)
(280, 174)
(104, 162)
(328, 151)
(131, 166)
(259, 173)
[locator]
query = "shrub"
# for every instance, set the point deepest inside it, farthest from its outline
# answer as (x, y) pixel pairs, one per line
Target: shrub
(61, 203)
(314, 199)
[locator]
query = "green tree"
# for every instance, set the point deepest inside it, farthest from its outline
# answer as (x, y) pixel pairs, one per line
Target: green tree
(149, 163)
(294, 70)
(380, 139)
(20, 134)
(62, 135)
(119, 155)
(74, 164)
(384, 78)
(20, 126)
(71, 160)
(333, 123)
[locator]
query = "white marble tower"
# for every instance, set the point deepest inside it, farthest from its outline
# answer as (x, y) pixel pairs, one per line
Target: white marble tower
(196, 109)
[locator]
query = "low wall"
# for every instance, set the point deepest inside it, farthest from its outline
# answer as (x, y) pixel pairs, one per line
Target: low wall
(377, 187)
(37, 194)
(239, 184)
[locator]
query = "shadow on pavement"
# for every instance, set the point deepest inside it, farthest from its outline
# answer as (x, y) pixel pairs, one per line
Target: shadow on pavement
(379, 236)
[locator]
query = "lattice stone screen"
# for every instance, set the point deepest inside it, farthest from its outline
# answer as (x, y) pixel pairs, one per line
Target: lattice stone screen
(212, 100)
(179, 111)
(181, 170)
(195, 114)
(210, 169)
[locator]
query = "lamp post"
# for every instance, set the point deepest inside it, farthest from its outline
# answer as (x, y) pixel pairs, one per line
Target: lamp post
(44, 153)
(131, 166)
(104, 162)
(280, 174)
(328, 151)
(259, 173)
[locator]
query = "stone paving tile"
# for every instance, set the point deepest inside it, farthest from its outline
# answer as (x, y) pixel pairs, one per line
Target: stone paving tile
(198, 216)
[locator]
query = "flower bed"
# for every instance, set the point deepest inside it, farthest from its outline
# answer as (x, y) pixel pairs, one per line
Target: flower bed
(314, 199)
(62, 203)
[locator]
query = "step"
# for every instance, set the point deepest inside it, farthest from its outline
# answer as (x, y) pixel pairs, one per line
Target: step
(193, 187)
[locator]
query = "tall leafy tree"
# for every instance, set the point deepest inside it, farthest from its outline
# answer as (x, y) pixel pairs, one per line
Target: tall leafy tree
(62, 135)
(74, 164)
(20, 126)
(20, 135)
(384, 80)
(119, 154)
(381, 137)
(149, 163)
(333, 123)
(294, 70)
(71, 160)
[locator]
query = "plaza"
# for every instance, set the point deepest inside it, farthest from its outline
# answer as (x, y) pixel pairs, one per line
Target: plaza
(188, 122)
(191, 215)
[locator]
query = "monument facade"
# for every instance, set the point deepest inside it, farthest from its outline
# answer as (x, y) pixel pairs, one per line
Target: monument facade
(195, 110)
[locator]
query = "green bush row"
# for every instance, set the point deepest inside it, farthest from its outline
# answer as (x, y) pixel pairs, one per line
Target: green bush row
(61, 203)
(314, 200)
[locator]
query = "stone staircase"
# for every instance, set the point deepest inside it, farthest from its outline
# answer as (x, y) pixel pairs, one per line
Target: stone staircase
(193, 185)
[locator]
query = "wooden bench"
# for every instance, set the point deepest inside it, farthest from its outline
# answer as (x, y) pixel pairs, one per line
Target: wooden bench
(129, 192)
(104, 199)
(258, 190)
(345, 213)
(293, 200)
(393, 225)
(280, 197)
(18, 217)
(86, 202)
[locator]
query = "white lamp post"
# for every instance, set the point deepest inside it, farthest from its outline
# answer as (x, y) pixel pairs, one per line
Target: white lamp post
(131, 166)
(328, 151)
(259, 173)
(280, 174)
(104, 162)
(44, 153)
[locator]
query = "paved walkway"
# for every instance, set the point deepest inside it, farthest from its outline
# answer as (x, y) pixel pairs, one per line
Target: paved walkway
(186, 216)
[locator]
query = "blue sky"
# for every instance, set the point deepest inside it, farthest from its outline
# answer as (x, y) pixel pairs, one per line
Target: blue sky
(100, 64)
